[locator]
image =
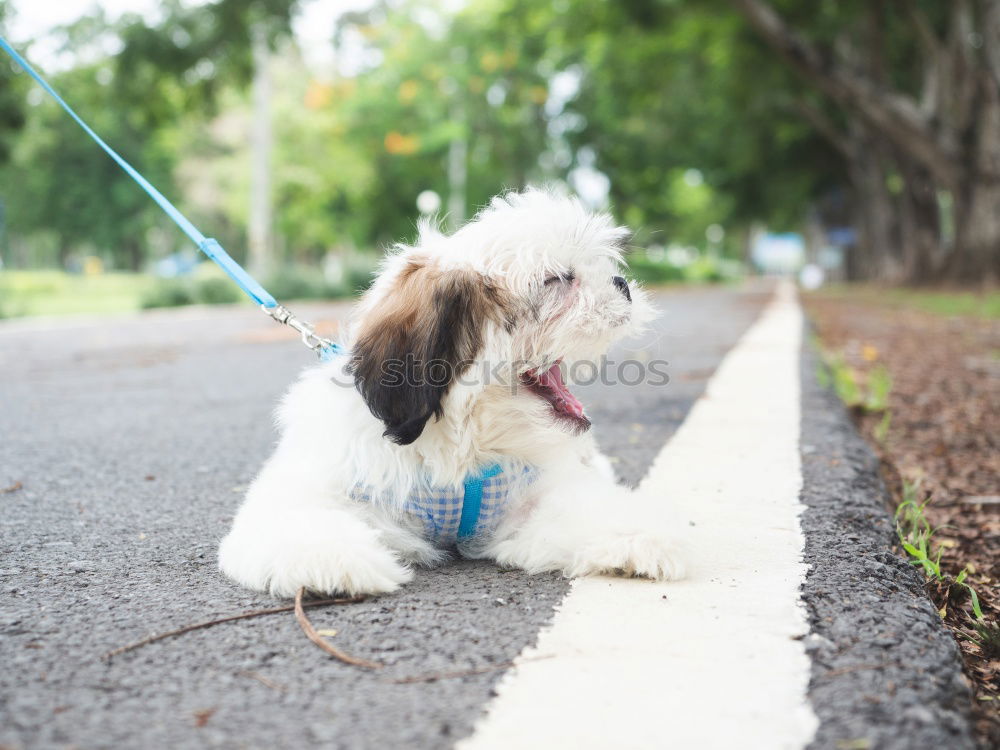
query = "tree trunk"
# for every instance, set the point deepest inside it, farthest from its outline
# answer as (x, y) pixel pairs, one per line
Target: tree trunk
(920, 234)
(949, 140)
(260, 252)
(886, 111)
(133, 254)
(874, 210)
(878, 248)
(976, 257)
(65, 249)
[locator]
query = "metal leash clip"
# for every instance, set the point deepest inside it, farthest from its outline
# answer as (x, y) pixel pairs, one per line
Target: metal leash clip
(310, 338)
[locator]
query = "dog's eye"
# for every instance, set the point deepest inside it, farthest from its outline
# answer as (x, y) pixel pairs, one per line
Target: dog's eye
(566, 278)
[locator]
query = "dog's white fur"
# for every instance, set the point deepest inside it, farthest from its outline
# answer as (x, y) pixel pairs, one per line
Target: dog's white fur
(299, 525)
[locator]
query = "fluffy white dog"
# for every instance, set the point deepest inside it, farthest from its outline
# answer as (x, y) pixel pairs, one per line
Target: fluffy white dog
(454, 375)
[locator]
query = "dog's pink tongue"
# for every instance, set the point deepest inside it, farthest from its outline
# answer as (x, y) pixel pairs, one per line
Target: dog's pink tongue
(552, 379)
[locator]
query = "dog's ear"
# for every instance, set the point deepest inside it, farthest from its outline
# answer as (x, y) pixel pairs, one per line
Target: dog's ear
(413, 344)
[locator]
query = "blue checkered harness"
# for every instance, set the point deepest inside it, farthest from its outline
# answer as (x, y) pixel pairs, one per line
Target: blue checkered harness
(449, 514)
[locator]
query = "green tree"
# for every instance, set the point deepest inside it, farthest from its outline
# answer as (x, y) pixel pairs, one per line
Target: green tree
(469, 78)
(58, 182)
(193, 53)
(670, 87)
(12, 88)
(917, 87)
(60, 185)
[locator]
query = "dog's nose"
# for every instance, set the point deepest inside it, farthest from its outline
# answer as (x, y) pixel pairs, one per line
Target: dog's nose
(622, 286)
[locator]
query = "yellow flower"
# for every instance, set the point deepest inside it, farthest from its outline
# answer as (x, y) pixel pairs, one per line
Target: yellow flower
(538, 94)
(318, 95)
(869, 353)
(397, 143)
(408, 90)
(490, 61)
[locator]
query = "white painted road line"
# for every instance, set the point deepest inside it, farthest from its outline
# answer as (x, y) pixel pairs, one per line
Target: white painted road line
(714, 661)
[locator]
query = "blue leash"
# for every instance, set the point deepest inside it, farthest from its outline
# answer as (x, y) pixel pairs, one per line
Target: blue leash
(324, 347)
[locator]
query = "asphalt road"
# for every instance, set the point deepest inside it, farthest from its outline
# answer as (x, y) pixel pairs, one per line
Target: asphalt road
(134, 437)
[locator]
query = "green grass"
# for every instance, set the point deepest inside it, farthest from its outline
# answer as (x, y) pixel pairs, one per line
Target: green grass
(701, 271)
(879, 387)
(881, 430)
(950, 304)
(50, 292)
(838, 374)
(870, 394)
(915, 535)
(24, 293)
(987, 635)
(944, 303)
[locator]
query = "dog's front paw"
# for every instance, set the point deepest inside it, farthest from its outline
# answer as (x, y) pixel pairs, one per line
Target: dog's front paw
(326, 552)
(330, 569)
(638, 554)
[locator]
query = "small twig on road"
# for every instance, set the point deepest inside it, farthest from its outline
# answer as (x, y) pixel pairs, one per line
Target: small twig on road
(201, 717)
(466, 672)
(264, 680)
(230, 618)
(13, 488)
(316, 638)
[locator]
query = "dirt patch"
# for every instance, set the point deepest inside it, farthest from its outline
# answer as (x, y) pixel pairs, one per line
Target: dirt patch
(942, 433)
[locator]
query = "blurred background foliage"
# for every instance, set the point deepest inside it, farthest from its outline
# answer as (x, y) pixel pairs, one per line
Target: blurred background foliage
(700, 123)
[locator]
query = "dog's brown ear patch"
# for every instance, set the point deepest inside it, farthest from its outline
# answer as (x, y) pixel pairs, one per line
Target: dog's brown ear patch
(410, 349)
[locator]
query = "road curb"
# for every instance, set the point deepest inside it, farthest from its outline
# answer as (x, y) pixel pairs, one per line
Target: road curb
(886, 673)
